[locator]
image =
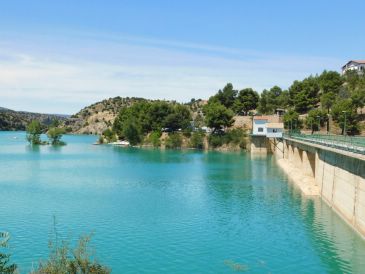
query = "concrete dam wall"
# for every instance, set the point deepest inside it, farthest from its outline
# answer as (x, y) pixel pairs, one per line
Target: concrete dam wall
(335, 175)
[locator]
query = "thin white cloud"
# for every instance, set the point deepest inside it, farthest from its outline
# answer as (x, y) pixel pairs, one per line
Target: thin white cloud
(65, 75)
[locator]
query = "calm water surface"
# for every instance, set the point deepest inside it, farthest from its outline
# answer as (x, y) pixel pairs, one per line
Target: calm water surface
(168, 211)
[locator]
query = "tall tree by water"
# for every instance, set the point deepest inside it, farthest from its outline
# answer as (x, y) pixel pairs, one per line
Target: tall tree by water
(217, 116)
(34, 131)
(247, 99)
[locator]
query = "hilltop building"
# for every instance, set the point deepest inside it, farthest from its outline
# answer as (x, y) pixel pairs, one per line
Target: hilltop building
(267, 126)
(354, 65)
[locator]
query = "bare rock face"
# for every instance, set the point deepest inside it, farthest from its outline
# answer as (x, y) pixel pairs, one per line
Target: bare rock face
(97, 117)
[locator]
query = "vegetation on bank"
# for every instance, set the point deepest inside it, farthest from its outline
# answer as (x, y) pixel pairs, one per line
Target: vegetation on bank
(197, 123)
(172, 125)
(62, 259)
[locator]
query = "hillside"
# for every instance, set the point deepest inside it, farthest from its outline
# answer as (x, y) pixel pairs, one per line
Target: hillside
(18, 120)
(96, 118)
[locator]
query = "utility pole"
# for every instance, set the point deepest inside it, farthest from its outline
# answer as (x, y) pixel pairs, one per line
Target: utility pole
(344, 126)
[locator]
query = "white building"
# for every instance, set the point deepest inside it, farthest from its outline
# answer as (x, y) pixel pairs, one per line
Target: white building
(274, 130)
(262, 127)
(259, 125)
(355, 65)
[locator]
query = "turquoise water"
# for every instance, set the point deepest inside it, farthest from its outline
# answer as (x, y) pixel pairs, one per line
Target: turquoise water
(168, 211)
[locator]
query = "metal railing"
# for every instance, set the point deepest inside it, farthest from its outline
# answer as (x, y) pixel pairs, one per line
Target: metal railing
(354, 144)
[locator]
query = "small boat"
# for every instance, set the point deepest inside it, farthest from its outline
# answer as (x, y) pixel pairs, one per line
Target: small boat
(120, 143)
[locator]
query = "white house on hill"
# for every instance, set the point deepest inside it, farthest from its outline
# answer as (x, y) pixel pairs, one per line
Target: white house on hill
(262, 127)
(259, 125)
(274, 130)
(355, 65)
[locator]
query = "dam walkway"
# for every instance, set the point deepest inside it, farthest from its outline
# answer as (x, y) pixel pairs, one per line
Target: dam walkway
(347, 143)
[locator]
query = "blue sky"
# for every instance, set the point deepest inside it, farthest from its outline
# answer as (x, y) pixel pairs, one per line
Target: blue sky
(59, 56)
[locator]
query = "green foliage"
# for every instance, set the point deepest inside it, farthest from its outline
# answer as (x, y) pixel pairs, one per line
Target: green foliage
(55, 123)
(291, 120)
(174, 140)
(55, 135)
(132, 132)
(246, 100)
(344, 112)
(233, 136)
(273, 99)
(5, 266)
(178, 118)
(327, 100)
(154, 138)
(197, 140)
(358, 98)
(316, 118)
(226, 97)
(217, 116)
(330, 81)
(109, 135)
(137, 120)
(199, 121)
(101, 139)
(304, 94)
(216, 140)
(34, 131)
(236, 136)
(66, 260)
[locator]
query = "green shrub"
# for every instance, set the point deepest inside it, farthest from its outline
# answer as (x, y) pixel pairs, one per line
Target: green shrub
(154, 138)
(63, 259)
(5, 266)
(216, 140)
(34, 131)
(55, 135)
(109, 135)
(174, 140)
(233, 136)
(197, 140)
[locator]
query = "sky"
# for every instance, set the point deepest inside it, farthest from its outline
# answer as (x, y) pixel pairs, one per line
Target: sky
(60, 56)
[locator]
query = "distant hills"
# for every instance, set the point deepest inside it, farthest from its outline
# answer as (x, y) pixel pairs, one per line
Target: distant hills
(18, 120)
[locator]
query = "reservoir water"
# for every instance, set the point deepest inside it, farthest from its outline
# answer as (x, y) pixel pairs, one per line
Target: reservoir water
(154, 211)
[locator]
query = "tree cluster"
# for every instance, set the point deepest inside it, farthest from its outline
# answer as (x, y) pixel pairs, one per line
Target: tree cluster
(136, 121)
(54, 133)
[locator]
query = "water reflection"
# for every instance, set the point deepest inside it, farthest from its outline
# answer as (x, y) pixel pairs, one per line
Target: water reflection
(331, 237)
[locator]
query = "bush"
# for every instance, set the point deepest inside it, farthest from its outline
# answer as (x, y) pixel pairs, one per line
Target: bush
(63, 259)
(197, 140)
(109, 135)
(55, 135)
(234, 136)
(174, 140)
(216, 140)
(5, 266)
(154, 138)
(34, 131)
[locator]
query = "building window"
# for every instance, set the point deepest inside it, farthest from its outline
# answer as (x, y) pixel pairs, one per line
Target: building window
(260, 129)
(274, 130)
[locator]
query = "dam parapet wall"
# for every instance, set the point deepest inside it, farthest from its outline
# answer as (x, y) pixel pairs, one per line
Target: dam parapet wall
(336, 175)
